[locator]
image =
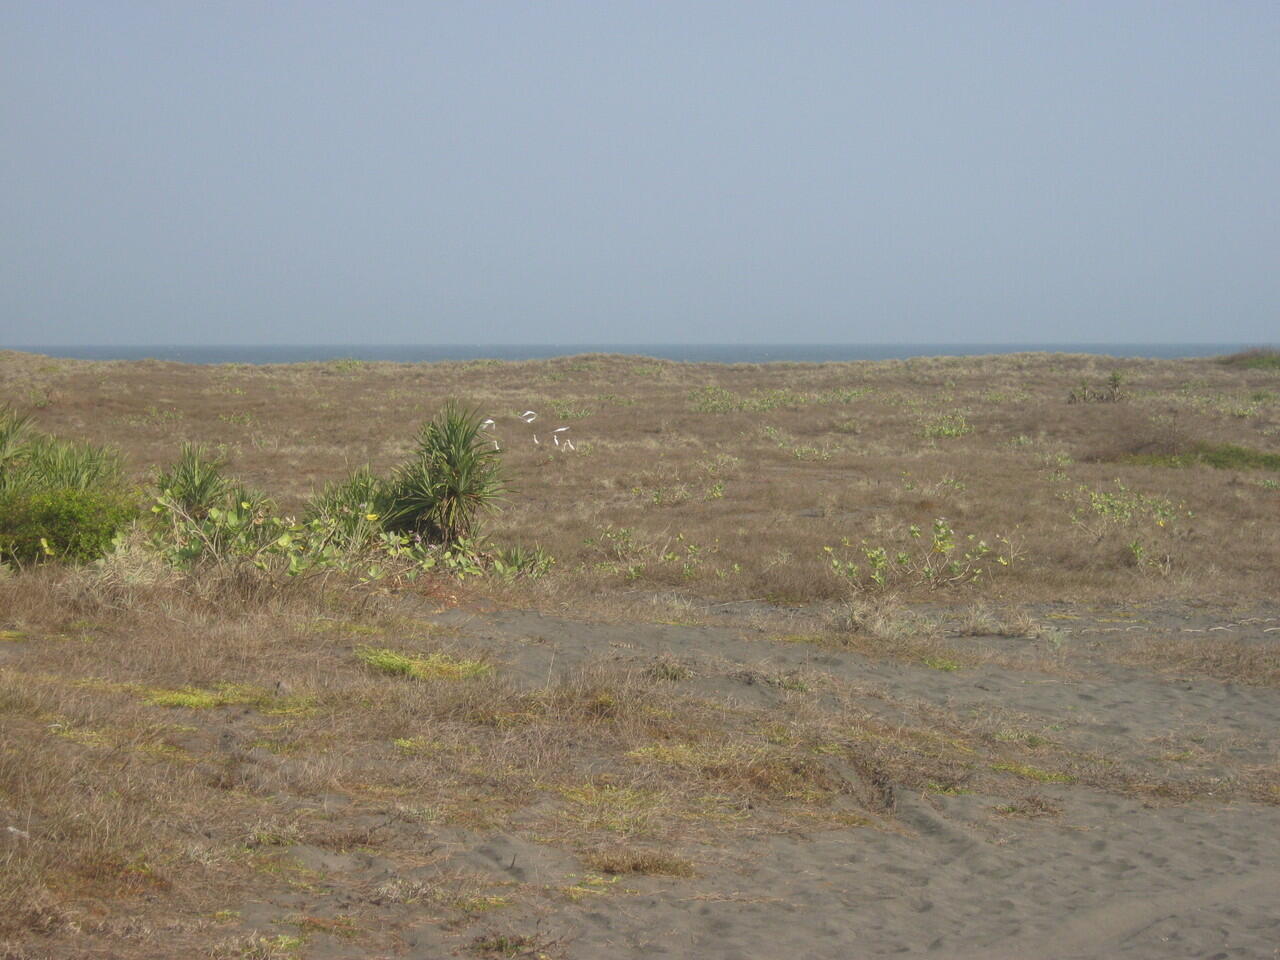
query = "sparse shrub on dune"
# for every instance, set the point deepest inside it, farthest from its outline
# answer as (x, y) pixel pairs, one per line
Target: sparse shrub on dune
(941, 559)
(355, 506)
(59, 500)
(36, 461)
(14, 438)
(454, 475)
(425, 517)
(522, 561)
(195, 482)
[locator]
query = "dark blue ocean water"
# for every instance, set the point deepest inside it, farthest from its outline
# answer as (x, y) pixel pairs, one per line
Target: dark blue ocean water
(692, 353)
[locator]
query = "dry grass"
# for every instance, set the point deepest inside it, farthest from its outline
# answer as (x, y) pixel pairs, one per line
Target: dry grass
(157, 726)
(624, 860)
(735, 496)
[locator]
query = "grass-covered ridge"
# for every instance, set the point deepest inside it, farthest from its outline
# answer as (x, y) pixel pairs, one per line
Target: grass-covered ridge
(1259, 358)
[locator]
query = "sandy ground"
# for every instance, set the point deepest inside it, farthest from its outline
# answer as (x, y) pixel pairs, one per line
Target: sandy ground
(946, 875)
(1167, 845)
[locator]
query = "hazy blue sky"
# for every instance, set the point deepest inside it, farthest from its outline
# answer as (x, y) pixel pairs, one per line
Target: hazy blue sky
(638, 172)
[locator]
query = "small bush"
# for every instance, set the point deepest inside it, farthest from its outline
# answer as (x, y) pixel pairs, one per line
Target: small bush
(941, 559)
(68, 524)
(522, 561)
(455, 474)
(355, 507)
(14, 439)
(947, 425)
(53, 464)
(1085, 393)
(38, 462)
(195, 482)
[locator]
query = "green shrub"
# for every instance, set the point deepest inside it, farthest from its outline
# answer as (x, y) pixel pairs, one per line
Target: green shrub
(195, 483)
(714, 399)
(455, 474)
(14, 440)
(68, 524)
(941, 559)
(355, 507)
(522, 561)
(59, 464)
(38, 462)
(947, 425)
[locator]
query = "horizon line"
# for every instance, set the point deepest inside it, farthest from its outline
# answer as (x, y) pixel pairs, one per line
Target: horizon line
(622, 343)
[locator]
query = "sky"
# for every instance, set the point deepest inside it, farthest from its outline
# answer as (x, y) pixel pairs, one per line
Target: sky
(651, 172)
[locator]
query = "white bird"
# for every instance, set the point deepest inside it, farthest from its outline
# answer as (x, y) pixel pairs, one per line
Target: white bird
(535, 439)
(568, 444)
(559, 429)
(555, 438)
(486, 424)
(528, 416)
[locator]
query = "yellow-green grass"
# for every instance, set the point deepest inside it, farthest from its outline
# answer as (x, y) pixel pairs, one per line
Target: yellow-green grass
(434, 666)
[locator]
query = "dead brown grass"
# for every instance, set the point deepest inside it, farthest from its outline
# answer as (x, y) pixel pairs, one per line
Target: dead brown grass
(725, 482)
(157, 726)
(624, 860)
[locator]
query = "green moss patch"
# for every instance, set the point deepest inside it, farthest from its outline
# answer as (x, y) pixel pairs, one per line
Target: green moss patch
(1220, 456)
(1258, 359)
(225, 695)
(435, 666)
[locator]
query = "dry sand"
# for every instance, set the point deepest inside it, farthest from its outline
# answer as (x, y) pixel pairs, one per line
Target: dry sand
(946, 875)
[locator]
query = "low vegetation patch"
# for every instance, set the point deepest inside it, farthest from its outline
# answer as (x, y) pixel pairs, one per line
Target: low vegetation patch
(434, 666)
(58, 500)
(1220, 456)
(939, 560)
(225, 695)
(693, 670)
(652, 862)
(1259, 358)
(1033, 773)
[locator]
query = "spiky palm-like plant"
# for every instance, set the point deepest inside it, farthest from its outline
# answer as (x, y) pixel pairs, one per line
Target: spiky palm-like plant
(195, 482)
(53, 463)
(14, 443)
(35, 461)
(59, 499)
(454, 475)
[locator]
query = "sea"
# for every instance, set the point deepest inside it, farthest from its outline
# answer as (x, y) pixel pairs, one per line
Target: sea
(685, 352)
